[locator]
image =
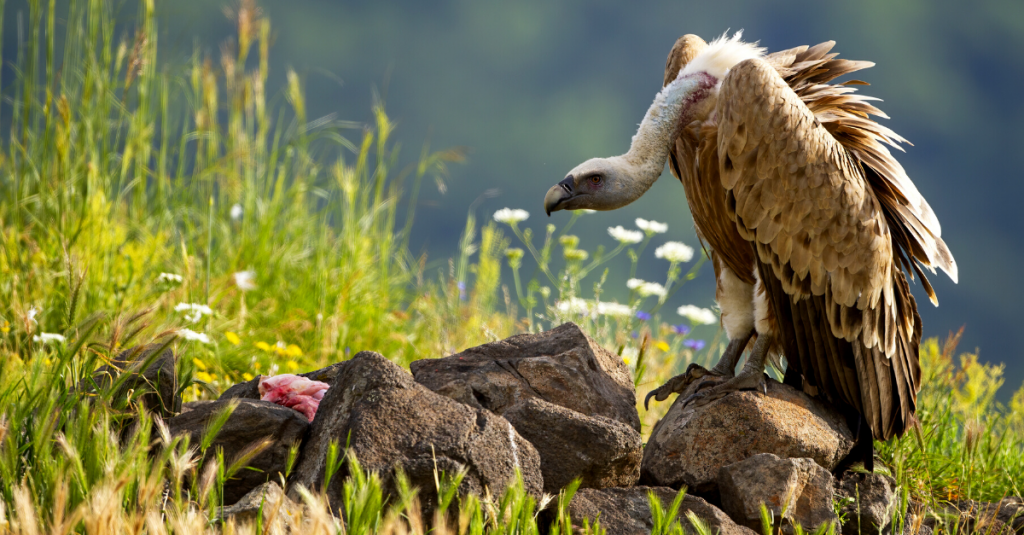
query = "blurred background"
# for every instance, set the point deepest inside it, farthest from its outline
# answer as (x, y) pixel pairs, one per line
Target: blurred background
(534, 87)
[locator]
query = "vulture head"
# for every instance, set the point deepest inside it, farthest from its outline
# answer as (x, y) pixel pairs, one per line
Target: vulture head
(610, 183)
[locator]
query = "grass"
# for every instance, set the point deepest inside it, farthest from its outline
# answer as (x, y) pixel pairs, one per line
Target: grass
(140, 199)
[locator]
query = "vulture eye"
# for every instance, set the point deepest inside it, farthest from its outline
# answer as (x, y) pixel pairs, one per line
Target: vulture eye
(595, 180)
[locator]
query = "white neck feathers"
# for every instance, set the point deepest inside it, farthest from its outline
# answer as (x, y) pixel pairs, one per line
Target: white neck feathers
(721, 55)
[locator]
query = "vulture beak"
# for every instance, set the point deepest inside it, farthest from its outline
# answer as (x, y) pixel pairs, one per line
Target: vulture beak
(558, 194)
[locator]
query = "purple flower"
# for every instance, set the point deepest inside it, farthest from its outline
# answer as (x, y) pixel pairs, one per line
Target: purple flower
(642, 316)
(695, 345)
(462, 290)
(681, 329)
(634, 334)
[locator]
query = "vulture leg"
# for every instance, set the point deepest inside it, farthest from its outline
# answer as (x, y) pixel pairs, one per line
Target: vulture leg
(725, 369)
(750, 377)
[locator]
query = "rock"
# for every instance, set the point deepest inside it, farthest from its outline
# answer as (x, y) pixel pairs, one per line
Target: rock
(690, 445)
(571, 398)
(601, 451)
(251, 389)
(626, 511)
(800, 487)
(158, 382)
(271, 499)
(389, 421)
(189, 406)
(873, 500)
(251, 422)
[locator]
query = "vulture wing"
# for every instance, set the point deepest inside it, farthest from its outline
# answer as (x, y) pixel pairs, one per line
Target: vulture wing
(824, 241)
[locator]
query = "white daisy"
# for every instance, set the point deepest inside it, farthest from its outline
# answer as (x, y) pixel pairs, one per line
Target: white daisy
(193, 311)
(645, 288)
(245, 280)
(674, 251)
(236, 211)
(614, 309)
(574, 305)
(697, 315)
(651, 227)
(511, 216)
(192, 336)
(169, 278)
(625, 236)
(48, 338)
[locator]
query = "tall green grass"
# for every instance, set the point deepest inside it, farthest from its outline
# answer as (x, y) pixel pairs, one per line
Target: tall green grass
(137, 193)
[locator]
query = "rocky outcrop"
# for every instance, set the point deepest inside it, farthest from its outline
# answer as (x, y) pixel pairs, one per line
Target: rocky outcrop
(798, 491)
(871, 500)
(155, 387)
(626, 511)
(251, 423)
(269, 499)
(690, 445)
(571, 398)
(389, 421)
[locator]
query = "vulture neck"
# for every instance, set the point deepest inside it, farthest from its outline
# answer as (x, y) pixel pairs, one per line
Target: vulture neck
(677, 105)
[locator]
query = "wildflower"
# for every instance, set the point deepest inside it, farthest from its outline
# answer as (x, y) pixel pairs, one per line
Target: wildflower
(642, 316)
(292, 365)
(32, 312)
(233, 338)
(629, 354)
(576, 254)
(192, 336)
(545, 292)
(569, 241)
(674, 251)
(625, 236)
(681, 329)
(293, 351)
(193, 311)
(513, 254)
(662, 346)
(695, 345)
(510, 216)
(48, 338)
(245, 280)
(651, 227)
(263, 345)
(204, 377)
(614, 309)
(573, 305)
(199, 364)
(697, 315)
(645, 288)
(170, 279)
(247, 376)
(6, 327)
(462, 290)
(236, 211)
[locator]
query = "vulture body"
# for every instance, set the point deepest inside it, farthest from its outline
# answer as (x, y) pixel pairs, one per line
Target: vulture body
(809, 220)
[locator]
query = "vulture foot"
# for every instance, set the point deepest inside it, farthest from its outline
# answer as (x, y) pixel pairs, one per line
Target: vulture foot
(724, 370)
(750, 378)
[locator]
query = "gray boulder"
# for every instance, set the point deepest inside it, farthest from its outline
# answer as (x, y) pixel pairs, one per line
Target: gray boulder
(873, 501)
(155, 387)
(571, 398)
(277, 509)
(690, 445)
(626, 511)
(794, 490)
(251, 422)
(389, 421)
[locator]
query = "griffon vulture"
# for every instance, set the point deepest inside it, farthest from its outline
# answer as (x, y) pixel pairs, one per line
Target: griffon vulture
(809, 221)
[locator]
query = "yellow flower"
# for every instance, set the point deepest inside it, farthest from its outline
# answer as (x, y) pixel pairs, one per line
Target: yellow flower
(662, 346)
(6, 327)
(247, 376)
(199, 364)
(293, 351)
(292, 365)
(205, 377)
(256, 366)
(626, 361)
(263, 345)
(46, 361)
(233, 338)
